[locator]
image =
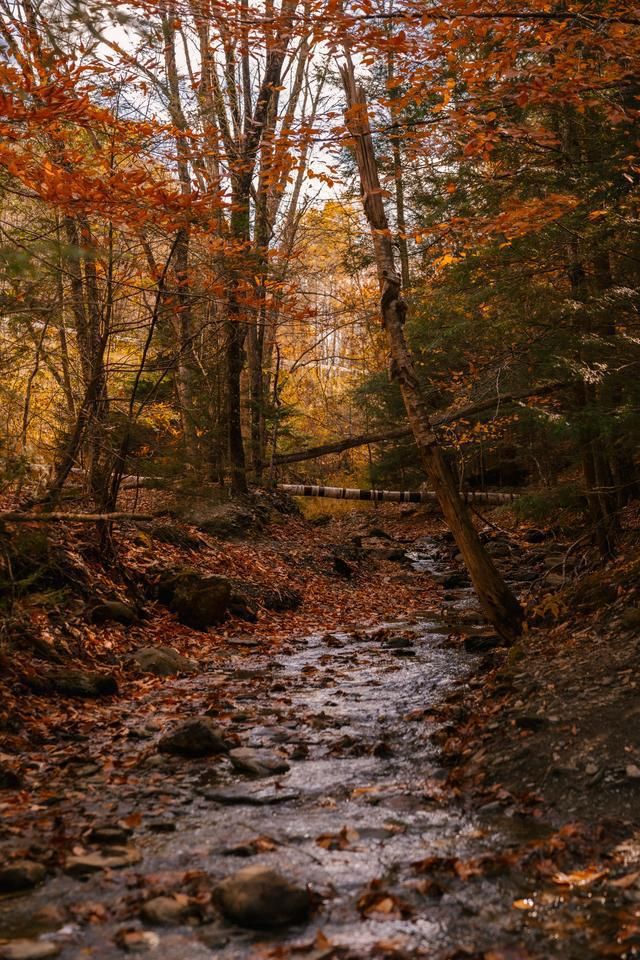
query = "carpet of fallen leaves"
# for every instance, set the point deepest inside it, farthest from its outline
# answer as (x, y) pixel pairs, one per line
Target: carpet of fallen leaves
(290, 553)
(547, 731)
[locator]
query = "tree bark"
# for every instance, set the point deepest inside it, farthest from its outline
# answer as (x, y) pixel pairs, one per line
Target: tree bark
(498, 602)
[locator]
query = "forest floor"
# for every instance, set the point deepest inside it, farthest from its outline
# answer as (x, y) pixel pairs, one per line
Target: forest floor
(415, 789)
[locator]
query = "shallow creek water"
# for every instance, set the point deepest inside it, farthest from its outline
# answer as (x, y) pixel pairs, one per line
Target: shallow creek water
(346, 711)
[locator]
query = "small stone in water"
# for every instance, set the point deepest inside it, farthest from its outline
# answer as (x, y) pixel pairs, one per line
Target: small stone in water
(109, 833)
(398, 643)
(259, 898)
(257, 763)
(161, 826)
(249, 796)
(21, 875)
(199, 737)
(165, 910)
(29, 950)
(137, 941)
(112, 859)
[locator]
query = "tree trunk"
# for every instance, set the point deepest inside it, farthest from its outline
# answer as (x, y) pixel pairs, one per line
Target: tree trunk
(597, 475)
(396, 152)
(87, 433)
(182, 312)
(498, 602)
(235, 330)
(183, 326)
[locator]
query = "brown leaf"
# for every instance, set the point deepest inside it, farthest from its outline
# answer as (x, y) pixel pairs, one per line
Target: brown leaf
(579, 878)
(628, 880)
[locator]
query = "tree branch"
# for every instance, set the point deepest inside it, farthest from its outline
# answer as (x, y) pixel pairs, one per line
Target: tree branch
(18, 516)
(399, 433)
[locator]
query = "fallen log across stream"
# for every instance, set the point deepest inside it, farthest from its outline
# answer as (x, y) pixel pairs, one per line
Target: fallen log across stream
(401, 496)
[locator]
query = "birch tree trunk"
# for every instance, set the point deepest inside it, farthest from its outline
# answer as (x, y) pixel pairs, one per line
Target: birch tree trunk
(182, 319)
(499, 604)
(396, 152)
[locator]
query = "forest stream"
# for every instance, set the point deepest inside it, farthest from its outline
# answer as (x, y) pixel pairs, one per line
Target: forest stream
(312, 316)
(362, 818)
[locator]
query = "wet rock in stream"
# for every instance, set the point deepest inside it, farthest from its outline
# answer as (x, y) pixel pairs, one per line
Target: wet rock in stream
(249, 796)
(453, 581)
(398, 643)
(29, 950)
(199, 737)
(198, 601)
(21, 875)
(113, 858)
(163, 661)
(257, 763)
(260, 898)
(482, 642)
(109, 834)
(165, 911)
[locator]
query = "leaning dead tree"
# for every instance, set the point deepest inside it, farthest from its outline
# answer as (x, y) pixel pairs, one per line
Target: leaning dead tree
(498, 602)
(398, 496)
(399, 433)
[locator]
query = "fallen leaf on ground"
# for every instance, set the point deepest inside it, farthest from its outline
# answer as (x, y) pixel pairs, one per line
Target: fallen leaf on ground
(579, 878)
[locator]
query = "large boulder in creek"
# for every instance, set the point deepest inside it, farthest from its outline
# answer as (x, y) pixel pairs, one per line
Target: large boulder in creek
(163, 661)
(227, 521)
(260, 898)
(199, 737)
(247, 598)
(198, 600)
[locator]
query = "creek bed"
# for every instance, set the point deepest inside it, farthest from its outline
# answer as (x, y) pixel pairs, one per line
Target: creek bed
(362, 803)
